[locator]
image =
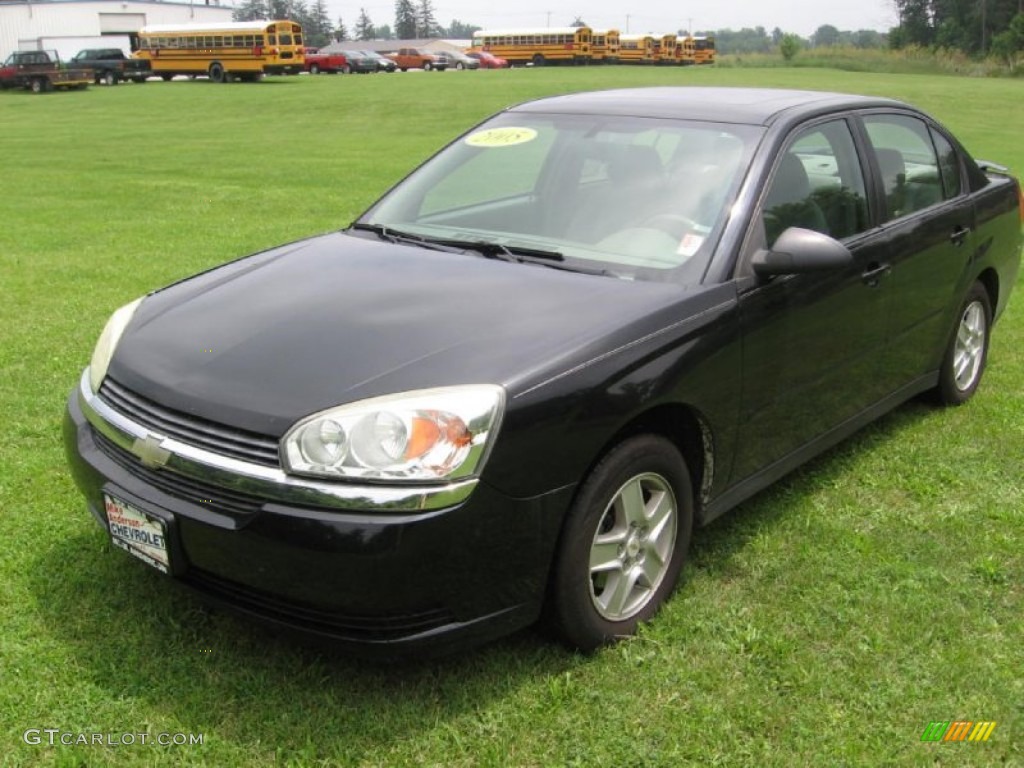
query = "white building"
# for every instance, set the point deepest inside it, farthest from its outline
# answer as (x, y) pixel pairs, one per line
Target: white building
(70, 25)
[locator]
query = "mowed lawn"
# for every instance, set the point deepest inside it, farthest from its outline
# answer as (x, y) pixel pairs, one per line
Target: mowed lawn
(825, 622)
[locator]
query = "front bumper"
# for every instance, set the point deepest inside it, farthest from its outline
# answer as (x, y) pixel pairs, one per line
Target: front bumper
(372, 568)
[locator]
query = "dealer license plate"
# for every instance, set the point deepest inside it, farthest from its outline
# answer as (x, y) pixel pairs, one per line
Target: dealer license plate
(136, 532)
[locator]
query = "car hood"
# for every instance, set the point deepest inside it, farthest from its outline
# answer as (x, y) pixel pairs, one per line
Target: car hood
(267, 340)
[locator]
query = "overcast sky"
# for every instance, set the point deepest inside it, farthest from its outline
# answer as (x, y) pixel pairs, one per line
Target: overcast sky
(800, 16)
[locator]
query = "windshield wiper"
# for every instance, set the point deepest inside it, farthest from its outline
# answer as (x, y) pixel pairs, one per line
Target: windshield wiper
(515, 254)
(397, 236)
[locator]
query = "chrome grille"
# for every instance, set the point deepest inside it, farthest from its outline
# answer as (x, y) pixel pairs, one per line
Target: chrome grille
(194, 430)
(188, 489)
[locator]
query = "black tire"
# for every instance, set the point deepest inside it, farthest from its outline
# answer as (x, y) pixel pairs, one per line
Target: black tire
(314, 69)
(139, 80)
(967, 349)
(459, 65)
(38, 85)
(427, 66)
(586, 607)
(216, 73)
(109, 78)
(167, 78)
(346, 70)
(539, 60)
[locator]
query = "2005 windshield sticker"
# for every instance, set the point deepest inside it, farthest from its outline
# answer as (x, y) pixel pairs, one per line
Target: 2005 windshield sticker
(501, 137)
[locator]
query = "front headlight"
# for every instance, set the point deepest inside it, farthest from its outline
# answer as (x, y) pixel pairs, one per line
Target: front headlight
(107, 343)
(429, 435)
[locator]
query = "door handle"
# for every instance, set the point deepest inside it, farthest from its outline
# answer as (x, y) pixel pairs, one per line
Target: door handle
(875, 272)
(959, 235)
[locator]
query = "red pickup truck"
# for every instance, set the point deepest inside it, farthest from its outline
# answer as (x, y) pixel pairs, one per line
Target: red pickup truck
(317, 62)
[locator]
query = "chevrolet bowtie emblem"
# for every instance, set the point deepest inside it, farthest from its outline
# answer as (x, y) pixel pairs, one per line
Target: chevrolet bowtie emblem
(150, 451)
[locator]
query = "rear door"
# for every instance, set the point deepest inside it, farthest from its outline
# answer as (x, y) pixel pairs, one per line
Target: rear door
(927, 224)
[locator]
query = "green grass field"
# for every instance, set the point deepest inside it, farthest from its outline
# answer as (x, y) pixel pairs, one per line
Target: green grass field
(825, 622)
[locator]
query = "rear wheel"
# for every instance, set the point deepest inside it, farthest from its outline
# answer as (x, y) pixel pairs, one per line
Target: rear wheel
(38, 85)
(967, 350)
(539, 60)
(459, 65)
(109, 78)
(427, 66)
(346, 70)
(314, 69)
(167, 78)
(623, 545)
(216, 73)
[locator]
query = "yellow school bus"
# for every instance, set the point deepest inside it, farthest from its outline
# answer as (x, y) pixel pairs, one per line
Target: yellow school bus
(665, 49)
(548, 45)
(605, 46)
(686, 51)
(704, 50)
(636, 49)
(243, 50)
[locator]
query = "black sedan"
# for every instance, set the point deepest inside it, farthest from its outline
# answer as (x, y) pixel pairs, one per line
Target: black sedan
(515, 385)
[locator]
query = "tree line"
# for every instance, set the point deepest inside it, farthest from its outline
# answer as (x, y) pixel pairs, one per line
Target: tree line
(412, 21)
(978, 27)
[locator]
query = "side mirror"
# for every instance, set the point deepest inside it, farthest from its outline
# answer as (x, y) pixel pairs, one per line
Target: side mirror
(797, 251)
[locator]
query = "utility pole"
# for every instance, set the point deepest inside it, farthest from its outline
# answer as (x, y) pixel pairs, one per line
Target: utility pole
(549, 18)
(627, 22)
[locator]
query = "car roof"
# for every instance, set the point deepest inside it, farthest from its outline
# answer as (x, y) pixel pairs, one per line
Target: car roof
(752, 106)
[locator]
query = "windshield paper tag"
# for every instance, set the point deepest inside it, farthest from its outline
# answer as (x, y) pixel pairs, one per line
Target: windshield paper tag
(689, 245)
(501, 137)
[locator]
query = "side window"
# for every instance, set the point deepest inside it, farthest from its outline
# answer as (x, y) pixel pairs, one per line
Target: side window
(907, 162)
(817, 184)
(949, 166)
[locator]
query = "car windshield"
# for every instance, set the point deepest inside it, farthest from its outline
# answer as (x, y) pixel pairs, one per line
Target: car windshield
(635, 198)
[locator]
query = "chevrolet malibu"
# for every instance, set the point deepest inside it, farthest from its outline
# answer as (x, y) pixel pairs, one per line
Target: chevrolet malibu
(513, 388)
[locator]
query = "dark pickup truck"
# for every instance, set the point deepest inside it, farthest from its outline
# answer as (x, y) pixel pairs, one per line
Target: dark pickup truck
(110, 66)
(41, 71)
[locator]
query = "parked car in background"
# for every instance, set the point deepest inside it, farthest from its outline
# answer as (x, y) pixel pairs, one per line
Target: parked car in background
(41, 71)
(515, 386)
(456, 60)
(359, 62)
(330, 63)
(384, 64)
(488, 60)
(111, 66)
(416, 58)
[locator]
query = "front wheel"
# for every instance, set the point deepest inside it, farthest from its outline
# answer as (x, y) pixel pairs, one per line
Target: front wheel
(109, 78)
(38, 85)
(427, 66)
(314, 69)
(623, 545)
(967, 351)
(216, 73)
